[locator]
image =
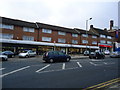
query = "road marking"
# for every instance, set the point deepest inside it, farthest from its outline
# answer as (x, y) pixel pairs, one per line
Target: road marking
(95, 60)
(2, 68)
(103, 84)
(58, 70)
(105, 63)
(63, 67)
(43, 68)
(92, 63)
(14, 71)
(79, 64)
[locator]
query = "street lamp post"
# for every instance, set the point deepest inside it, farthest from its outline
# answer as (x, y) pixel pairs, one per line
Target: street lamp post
(86, 30)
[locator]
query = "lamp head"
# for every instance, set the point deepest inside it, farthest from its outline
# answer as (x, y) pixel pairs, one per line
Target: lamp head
(90, 18)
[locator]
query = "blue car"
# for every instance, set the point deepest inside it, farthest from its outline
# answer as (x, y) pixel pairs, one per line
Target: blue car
(55, 56)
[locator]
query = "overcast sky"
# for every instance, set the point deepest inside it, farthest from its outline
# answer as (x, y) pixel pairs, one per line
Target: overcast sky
(65, 13)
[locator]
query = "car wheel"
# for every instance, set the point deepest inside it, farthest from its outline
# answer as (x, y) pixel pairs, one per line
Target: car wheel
(68, 59)
(12, 56)
(26, 56)
(51, 60)
(4, 59)
(90, 58)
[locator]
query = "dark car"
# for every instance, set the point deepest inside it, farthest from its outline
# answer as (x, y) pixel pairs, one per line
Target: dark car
(96, 55)
(9, 54)
(54, 56)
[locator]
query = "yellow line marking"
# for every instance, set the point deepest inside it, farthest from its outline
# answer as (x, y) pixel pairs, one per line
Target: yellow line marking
(108, 84)
(102, 83)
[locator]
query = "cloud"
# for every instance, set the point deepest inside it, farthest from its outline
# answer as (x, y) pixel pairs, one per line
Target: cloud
(68, 13)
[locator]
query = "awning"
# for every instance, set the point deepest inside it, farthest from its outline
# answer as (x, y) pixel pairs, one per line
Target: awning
(105, 46)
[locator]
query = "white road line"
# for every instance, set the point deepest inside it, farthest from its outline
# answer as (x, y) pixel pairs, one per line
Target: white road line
(105, 63)
(14, 71)
(43, 68)
(58, 70)
(2, 68)
(95, 60)
(79, 64)
(92, 63)
(63, 67)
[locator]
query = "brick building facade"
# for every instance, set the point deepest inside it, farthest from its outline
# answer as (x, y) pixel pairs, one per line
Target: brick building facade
(17, 35)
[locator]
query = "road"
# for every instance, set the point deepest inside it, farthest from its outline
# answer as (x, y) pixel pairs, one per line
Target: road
(78, 73)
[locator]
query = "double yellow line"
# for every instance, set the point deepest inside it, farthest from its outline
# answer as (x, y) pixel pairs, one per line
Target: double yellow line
(104, 84)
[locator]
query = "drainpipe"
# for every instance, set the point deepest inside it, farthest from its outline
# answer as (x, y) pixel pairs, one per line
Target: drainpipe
(37, 36)
(38, 31)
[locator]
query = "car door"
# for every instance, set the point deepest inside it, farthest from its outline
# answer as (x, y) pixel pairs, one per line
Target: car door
(56, 56)
(62, 56)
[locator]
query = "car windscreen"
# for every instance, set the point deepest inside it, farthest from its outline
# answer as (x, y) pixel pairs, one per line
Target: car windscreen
(92, 53)
(25, 51)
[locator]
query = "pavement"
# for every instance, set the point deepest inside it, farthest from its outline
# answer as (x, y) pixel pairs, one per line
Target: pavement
(116, 86)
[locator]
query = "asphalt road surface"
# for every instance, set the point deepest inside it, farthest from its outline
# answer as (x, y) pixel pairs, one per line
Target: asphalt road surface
(78, 73)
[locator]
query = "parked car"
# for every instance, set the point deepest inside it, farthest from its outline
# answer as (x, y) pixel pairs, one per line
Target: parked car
(9, 54)
(54, 56)
(115, 54)
(106, 52)
(86, 53)
(27, 53)
(3, 57)
(96, 55)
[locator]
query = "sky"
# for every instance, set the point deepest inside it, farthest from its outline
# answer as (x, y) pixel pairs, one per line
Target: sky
(65, 13)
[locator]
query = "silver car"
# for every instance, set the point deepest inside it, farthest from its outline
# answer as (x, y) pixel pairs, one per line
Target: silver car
(115, 54)
(3, 57)
(27, 53)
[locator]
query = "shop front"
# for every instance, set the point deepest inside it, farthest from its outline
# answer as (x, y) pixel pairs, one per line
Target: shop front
(104, 47)
(41, 47)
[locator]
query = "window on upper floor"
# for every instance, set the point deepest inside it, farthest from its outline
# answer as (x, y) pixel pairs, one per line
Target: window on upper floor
(46, 31)
(94, 36)
(102, 41)
(6, 36)
(6, 26)
(60, 40)
(74, 41)
(109, 42)
(48, 39)
(61, 33)
(109, 37)
(102, 36)
(94, 42)
(29, 38)
(84, 41)
(27, 29)
(74, 35)
(85, 35)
